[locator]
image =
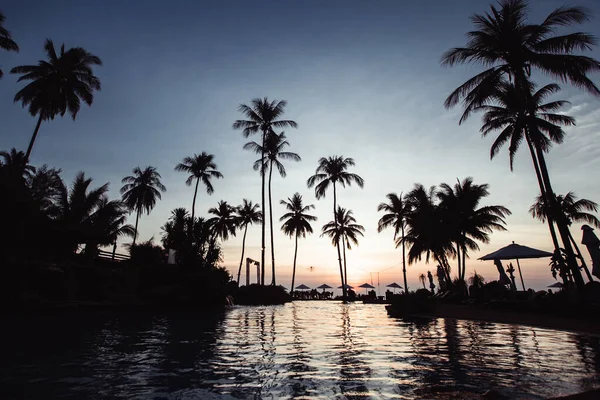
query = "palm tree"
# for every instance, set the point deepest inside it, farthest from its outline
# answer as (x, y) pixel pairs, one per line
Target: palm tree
(345, 230)
(57, 85)
(14, 164)
(246, 214)
(535, 122)
(201, 168)
(468, 222)
(262, 116)
(44, 186)
(6, 41)
(574, 211)
(422, 280)
(296, 223)
(224, 221)
(273, 152)
(508, 45)
(140, 192)
(395, 216)
(332, 170)
(107, 224)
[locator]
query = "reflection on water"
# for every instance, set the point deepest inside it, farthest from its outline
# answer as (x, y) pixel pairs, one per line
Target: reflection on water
(300, 350)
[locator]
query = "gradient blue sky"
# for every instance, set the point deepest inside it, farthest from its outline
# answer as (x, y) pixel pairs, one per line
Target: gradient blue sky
(362, 79)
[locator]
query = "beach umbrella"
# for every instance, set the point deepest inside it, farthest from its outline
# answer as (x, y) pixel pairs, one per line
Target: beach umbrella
(556, 285)
(366, 286)
(347, 287)
(395, 286)
(302, 287)
(324, 286)
(516, 252)
(591, 241)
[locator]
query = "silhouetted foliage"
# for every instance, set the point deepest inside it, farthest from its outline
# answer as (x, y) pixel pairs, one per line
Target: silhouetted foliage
(246, 214)
(395, 216)
(6, 41)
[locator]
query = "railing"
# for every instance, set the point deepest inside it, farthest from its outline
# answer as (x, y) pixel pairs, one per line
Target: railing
(108, 255)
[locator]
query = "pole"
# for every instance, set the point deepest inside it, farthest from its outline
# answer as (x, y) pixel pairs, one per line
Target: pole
(520, 274)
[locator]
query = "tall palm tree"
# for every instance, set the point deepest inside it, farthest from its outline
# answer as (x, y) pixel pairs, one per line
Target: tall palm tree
(140, 192)
(224, 221)
(395, 215)
(57, 85)
(296, 223)
(246, 214)
(343, 229)
(263, 116)
(574, 210)
(329, 172)
(201, 168)
(273, 152)
(6, 41)
(14, 164)
(508, 45)
(469, 222)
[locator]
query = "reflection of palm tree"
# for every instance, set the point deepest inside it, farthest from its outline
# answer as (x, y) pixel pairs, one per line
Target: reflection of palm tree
(332, 170)
(343, 229)
(272, 152)
(58, 85)
(140, 192)
(468, 222)
(396, 211)
(508, 45)
(6, 41)
(297, 223)
(574, 211)
(263, 116)
(201, 168)
(247, 214)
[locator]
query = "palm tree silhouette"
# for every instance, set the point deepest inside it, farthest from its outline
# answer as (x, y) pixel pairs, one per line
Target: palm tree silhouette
(262, 116)
(574, 210)
(44, 186)
(332, 170)
(107, 225)
(540, 127)
(469, 223)
(224, 221)
(14, 164)
(58, 85)
(343, 229)
(396, 211)
(508, 45)
(273, 152)
(140, 192)
(201, 168)
(246, 214)
(296, 223)
(6, 41)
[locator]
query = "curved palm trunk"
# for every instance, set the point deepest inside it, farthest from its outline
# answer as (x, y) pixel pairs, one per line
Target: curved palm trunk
(194, 201)
(112, 258)
(137, 218)
(271, 227)
(464, 259)
(243, 249)
(561, 223)
(33, 137)
(344, 294)
(262, 224)
(294, 268)
(404, 261)
(459, 260)
(583, 264)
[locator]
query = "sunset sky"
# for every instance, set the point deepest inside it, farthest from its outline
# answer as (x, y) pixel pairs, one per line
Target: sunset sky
(362, 79)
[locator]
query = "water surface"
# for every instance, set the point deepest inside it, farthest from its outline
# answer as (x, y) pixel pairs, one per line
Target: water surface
(300, 350)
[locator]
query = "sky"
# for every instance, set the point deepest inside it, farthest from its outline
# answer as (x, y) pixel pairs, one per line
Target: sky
(362, 79)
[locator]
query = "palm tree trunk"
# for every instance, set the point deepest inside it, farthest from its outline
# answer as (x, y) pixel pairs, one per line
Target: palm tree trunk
(344, 295)
(114, 250)
(583, 264)
(262, 224)
(404, 261)
(294, 268)
(458, 259)
(33, 137)
(194, 201)
(137, 218)
(243, 249)
(344, 244)
(464, 260)
(561, 223)
(271, 228)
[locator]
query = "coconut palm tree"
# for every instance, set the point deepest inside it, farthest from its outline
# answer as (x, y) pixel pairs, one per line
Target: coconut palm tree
(343, 229)
(246, 214)
(44, 186)
(331, 171)
(200, 168)
(107, 224)
(395, 216)
(140, 192)
(574, 210)
(14, 164)
(296, 223)
(263, 116)
(224, 221)
(508, 45)
(273, 152)
(6, 41)
(469, 222)
(57, 85)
